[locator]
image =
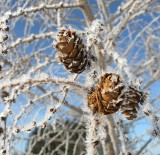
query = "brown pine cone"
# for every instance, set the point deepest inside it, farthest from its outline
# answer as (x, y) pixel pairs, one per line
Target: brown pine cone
(106, 98)
(131, 100)
(72, 53)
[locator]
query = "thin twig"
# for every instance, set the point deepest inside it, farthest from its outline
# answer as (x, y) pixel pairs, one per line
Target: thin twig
(41, 7)
(15, 83)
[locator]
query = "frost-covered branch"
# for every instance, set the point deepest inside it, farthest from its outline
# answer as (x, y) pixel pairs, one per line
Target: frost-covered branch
(28, 40)
(144, 146)
(41, 7)
(27, 81)
(91, 131)
(86, 11)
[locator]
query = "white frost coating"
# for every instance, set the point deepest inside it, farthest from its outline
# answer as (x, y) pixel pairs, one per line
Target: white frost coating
(70, 65)
(3, 33)
(74, 62)
(103, 91)
(101, 133)
(91, 136)
(93, 33)
(7, 14)
(110, 90)
(123, 65)
(122, 136)
(147, 109)
(114, 78)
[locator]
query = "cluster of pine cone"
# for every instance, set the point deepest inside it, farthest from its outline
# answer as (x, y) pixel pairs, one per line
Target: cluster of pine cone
(109, 96)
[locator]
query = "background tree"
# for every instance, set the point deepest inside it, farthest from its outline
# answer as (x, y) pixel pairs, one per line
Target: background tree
(118, 37)
(49, 140)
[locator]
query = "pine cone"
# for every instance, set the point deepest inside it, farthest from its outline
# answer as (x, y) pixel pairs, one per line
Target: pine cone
(106, 98)
(131, 100)
(72, 53)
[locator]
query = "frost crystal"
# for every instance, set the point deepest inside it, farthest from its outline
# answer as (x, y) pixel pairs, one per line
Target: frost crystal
(93, 32)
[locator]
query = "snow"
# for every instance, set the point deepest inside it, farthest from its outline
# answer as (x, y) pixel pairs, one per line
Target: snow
(93, 33)
(114, 78)
(3, 33)
(103, 91)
